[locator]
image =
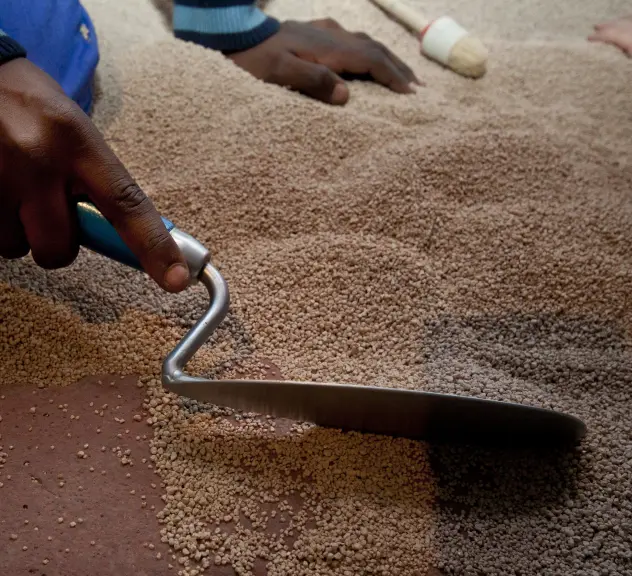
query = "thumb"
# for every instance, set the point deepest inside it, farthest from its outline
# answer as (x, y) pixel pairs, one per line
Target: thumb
(596, 37)
(315, 80)
(114, 192)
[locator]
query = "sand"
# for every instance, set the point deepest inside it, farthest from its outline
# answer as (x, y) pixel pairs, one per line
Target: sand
(472, 238)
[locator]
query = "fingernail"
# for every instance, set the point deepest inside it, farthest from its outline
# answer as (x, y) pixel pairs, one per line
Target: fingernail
(340, 94)
(176, 278)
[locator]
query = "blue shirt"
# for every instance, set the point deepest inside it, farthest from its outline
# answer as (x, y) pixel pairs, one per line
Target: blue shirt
(59, 36)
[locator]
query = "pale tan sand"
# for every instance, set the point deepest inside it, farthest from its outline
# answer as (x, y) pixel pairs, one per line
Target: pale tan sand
(473, 238)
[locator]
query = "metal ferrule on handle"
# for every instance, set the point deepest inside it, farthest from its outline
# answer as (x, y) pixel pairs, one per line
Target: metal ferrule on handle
(98, 235)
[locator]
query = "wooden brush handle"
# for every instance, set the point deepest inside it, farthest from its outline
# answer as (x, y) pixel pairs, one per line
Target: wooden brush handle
(404, 13)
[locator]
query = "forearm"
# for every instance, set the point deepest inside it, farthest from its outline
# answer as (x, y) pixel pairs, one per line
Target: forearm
(224, 25)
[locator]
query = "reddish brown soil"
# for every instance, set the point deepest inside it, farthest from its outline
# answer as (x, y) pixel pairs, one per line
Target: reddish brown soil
(113, 517)
(43, 444)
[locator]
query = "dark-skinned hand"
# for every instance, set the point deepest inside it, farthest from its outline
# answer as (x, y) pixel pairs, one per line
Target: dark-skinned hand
(310, 57)
(50, 151)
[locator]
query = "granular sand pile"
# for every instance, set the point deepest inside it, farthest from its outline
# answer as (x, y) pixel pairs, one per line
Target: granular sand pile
(473, 238)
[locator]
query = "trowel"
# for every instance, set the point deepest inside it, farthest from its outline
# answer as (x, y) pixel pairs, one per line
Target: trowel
(415, 414)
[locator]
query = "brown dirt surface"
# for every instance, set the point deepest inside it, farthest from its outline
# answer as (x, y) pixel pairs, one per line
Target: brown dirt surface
(42, 447)
(114, 532)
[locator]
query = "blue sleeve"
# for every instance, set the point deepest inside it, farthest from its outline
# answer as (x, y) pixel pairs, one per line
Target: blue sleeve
(223, 25)
(58, 37)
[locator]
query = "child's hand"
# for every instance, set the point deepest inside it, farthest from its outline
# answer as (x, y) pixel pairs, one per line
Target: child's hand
(618, 33)
(309, 56)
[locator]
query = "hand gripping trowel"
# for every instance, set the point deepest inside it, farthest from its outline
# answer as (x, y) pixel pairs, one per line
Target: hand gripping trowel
(396, 412)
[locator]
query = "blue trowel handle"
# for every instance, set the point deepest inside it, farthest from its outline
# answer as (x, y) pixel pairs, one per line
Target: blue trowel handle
(97, 234)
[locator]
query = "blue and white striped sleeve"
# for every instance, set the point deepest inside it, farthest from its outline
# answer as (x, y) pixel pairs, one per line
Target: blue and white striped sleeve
(223, 25)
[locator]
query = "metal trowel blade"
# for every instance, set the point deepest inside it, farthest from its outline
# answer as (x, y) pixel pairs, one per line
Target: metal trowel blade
(411, 414)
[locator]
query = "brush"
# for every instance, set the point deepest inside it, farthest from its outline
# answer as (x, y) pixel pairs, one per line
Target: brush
(442, 40)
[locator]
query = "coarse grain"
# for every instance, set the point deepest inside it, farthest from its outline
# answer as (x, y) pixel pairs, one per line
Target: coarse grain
(474, 238)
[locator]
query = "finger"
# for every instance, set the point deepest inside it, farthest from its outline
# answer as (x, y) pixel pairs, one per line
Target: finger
(405, 69)
(311, 79)
(386, 73)
(131, 212)
(49, 224)
(606, 38)
(401, 65)
(13, 242)
(369, 59)
(602, 36)
(326, 24)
